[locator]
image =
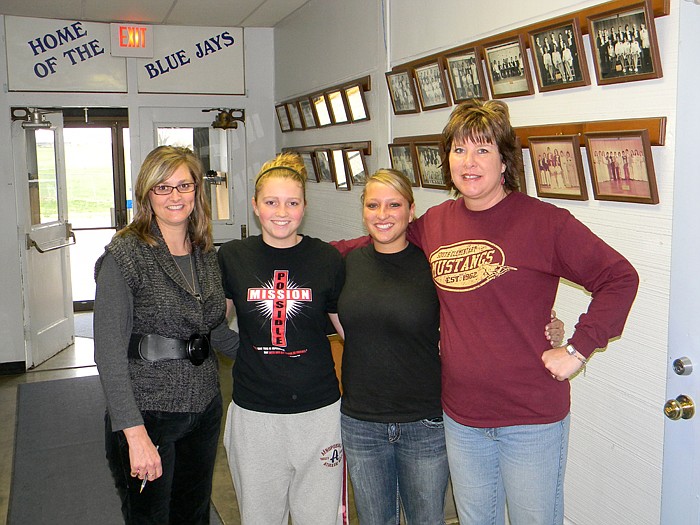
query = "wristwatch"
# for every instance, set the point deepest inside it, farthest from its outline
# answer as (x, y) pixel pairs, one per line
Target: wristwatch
(573, 352)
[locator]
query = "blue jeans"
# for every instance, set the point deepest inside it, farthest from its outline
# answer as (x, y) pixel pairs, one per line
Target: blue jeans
(187, 444)
(397, 463)
(522, 464)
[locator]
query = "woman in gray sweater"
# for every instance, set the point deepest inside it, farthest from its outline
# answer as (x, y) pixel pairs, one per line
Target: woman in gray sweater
(158, 302)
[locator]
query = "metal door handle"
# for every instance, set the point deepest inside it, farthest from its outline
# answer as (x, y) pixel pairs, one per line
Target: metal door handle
(32, 243)
(682, 407)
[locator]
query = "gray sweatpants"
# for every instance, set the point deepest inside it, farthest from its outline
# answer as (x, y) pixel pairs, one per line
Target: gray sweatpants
(287, 463)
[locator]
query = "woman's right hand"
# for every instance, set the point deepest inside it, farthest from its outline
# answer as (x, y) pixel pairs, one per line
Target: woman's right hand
(143, 454)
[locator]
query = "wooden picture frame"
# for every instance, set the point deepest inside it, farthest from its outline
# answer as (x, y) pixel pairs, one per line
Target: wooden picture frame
(557, 167)
(324, 166)
(340, 174)
(429, 157)
(402, 92)
(310, 165)
(321, 111)
(559, 57)
(432, 86)
(307, 113)
(520, 166)
(338, 106)
(294, 115)
(357, 105)
(356, 166)
(622, 166)
(283, 118)
(508, 68)
(631, 26)
(466, 75)
(403, 160)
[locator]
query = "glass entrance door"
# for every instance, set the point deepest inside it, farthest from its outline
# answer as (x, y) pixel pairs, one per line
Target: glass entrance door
(98, 183)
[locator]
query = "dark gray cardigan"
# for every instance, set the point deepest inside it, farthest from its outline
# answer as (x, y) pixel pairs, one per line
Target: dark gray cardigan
(141, 290)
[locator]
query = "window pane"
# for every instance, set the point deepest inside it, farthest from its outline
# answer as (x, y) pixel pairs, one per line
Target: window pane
(210, 146)
(89, 177)
(182, 137)
(43, 197)
(83, 254)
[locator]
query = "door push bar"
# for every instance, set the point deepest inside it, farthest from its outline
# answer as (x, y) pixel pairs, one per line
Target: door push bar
(70, 238)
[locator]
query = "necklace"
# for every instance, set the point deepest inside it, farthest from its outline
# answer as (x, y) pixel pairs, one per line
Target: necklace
(191, 288)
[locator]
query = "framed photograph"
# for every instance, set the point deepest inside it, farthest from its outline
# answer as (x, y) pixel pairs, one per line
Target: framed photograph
(324, 166)
(339, 110)
(402, 92)
(402, 160)
(294, 115)
(356, 166)
(310, 165)
(622, 167)
(624, 45)
(321, 111)
(508, 69)
(466, 75)
(342, 180)
(307, 113)
(557, 167)
(357, 105)
(560, 60)
(283, 118)
(429, 160)
(432, 87)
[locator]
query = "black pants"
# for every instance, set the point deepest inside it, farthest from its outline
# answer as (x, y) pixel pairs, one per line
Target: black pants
(187, 444)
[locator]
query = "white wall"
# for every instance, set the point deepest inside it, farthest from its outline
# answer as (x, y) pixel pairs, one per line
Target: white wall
(615, 460)
(323, 44)
(260, 135)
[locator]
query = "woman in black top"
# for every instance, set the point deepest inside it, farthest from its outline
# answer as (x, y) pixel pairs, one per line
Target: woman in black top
(391, 414)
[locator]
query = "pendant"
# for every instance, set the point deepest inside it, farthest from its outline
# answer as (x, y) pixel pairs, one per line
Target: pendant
(198, 296)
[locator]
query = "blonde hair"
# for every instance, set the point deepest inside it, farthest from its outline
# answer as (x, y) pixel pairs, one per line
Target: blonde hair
(392, 178)
(288, 165)
(158, 166)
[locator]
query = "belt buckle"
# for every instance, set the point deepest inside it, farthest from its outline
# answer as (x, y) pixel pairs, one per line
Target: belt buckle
(197, 349)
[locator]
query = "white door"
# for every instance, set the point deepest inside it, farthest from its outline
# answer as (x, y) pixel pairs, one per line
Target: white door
(223, 154)
(45, 235)
(680, 503)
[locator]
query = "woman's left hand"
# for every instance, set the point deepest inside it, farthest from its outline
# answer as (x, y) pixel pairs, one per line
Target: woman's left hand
(560, 364)
(554, 331)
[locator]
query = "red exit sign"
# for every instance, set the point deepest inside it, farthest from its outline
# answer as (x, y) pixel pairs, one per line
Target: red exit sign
(130, 36)
(131, 40)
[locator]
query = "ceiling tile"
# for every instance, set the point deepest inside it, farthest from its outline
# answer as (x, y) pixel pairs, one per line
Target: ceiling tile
(213, 13)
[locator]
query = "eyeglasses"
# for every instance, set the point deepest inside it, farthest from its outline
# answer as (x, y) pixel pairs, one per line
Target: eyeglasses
(164, 189)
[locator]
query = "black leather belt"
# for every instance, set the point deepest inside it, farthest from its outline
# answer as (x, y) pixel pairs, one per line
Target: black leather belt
(153, 347)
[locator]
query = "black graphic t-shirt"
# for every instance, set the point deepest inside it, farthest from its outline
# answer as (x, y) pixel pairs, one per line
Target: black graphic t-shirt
(282, 298)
